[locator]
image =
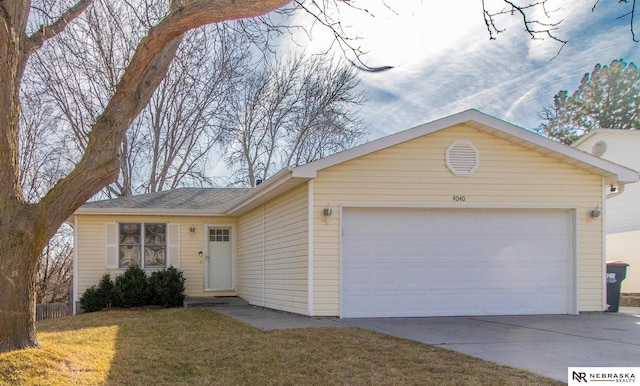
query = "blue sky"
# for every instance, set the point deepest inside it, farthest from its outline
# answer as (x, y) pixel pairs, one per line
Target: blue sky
(445, 63)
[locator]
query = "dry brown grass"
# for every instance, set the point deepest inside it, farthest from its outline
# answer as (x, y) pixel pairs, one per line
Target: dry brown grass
(630, 300)
(201, 347)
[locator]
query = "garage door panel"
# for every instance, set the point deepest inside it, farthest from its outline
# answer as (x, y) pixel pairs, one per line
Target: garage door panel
(524, 275)
(525, 301)
(412, 262)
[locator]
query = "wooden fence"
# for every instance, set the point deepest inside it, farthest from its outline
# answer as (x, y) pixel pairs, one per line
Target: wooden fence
(53, 310)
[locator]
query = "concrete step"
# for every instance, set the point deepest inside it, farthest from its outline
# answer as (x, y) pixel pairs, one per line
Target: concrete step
(214, 301)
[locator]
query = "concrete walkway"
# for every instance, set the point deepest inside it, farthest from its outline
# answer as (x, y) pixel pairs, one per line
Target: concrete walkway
(544, 344)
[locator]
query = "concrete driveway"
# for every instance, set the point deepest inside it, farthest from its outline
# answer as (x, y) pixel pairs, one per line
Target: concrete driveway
(544, 344)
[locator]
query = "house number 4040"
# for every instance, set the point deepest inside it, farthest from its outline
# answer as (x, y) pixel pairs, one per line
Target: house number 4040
(459, 198)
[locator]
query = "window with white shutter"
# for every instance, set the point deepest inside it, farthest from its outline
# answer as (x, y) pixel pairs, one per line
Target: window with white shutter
(147, 245)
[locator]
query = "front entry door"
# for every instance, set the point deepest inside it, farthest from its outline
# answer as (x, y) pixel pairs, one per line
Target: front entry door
(219, 260)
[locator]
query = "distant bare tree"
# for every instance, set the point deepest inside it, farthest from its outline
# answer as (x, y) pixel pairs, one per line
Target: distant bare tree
(41, 166)
(182, 122)
(41, 162)
(291, 111)
(324, 119)
(168, 143)
(55, 268)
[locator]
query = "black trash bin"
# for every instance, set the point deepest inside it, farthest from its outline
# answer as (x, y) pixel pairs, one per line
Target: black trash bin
(616, 273)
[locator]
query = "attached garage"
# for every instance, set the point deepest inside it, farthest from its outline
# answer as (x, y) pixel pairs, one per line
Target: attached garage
(436, 262)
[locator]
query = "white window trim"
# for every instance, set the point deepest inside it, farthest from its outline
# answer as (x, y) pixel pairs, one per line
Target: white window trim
(112, 242)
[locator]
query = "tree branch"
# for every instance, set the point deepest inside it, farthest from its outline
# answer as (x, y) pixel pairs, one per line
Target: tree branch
(536, 28)
(100, 162)
(631, 15)
(37, 39)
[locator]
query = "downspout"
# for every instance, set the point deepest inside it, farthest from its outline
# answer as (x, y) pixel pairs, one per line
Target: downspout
(310, 249)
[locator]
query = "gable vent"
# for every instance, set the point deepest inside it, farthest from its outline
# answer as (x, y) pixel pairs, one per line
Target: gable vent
(462, 158)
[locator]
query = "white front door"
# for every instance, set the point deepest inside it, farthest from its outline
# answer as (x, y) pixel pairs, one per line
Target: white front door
(219, 259)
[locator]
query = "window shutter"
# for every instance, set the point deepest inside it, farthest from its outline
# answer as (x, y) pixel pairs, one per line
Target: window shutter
(111, 260)
(173, 245)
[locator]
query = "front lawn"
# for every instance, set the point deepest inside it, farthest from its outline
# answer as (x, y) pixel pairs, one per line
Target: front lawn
(201, 347)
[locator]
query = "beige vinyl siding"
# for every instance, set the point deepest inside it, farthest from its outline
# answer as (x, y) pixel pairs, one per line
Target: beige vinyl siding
(414, 174)
(623, 210)
(273, 253)
(91, 234)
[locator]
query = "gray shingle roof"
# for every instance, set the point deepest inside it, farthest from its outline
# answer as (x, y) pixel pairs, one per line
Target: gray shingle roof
(209, 200)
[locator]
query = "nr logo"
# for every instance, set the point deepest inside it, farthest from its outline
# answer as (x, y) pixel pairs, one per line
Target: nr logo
(579, 377)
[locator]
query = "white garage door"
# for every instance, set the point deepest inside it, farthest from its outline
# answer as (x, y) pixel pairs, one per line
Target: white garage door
(417, 262)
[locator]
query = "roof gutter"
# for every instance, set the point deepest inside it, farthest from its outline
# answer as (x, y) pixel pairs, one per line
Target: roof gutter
(147, 212)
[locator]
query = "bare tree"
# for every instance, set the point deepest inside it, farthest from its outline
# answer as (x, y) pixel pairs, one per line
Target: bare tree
(291, 111)
(168, 143)
(55, 268)
(257, 116)
(41, 165)
(40, 162)
(182, 120)
(324, 119)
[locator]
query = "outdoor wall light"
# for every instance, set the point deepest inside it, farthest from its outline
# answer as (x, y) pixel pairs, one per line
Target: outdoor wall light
(327, 212)
(192, 230)
(596, 212)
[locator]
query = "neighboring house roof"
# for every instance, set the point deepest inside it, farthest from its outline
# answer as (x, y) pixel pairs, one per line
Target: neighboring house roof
(598, 132)
(192, 201)
(615, 145)
(291, 177)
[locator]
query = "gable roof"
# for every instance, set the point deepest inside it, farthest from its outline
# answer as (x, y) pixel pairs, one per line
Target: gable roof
(186, 201)
(291, 177)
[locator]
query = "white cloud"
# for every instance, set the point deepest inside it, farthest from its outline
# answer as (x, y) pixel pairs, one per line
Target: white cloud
(448, 64)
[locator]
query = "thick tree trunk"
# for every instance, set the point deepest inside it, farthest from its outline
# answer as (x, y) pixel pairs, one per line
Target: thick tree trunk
(18, 265)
